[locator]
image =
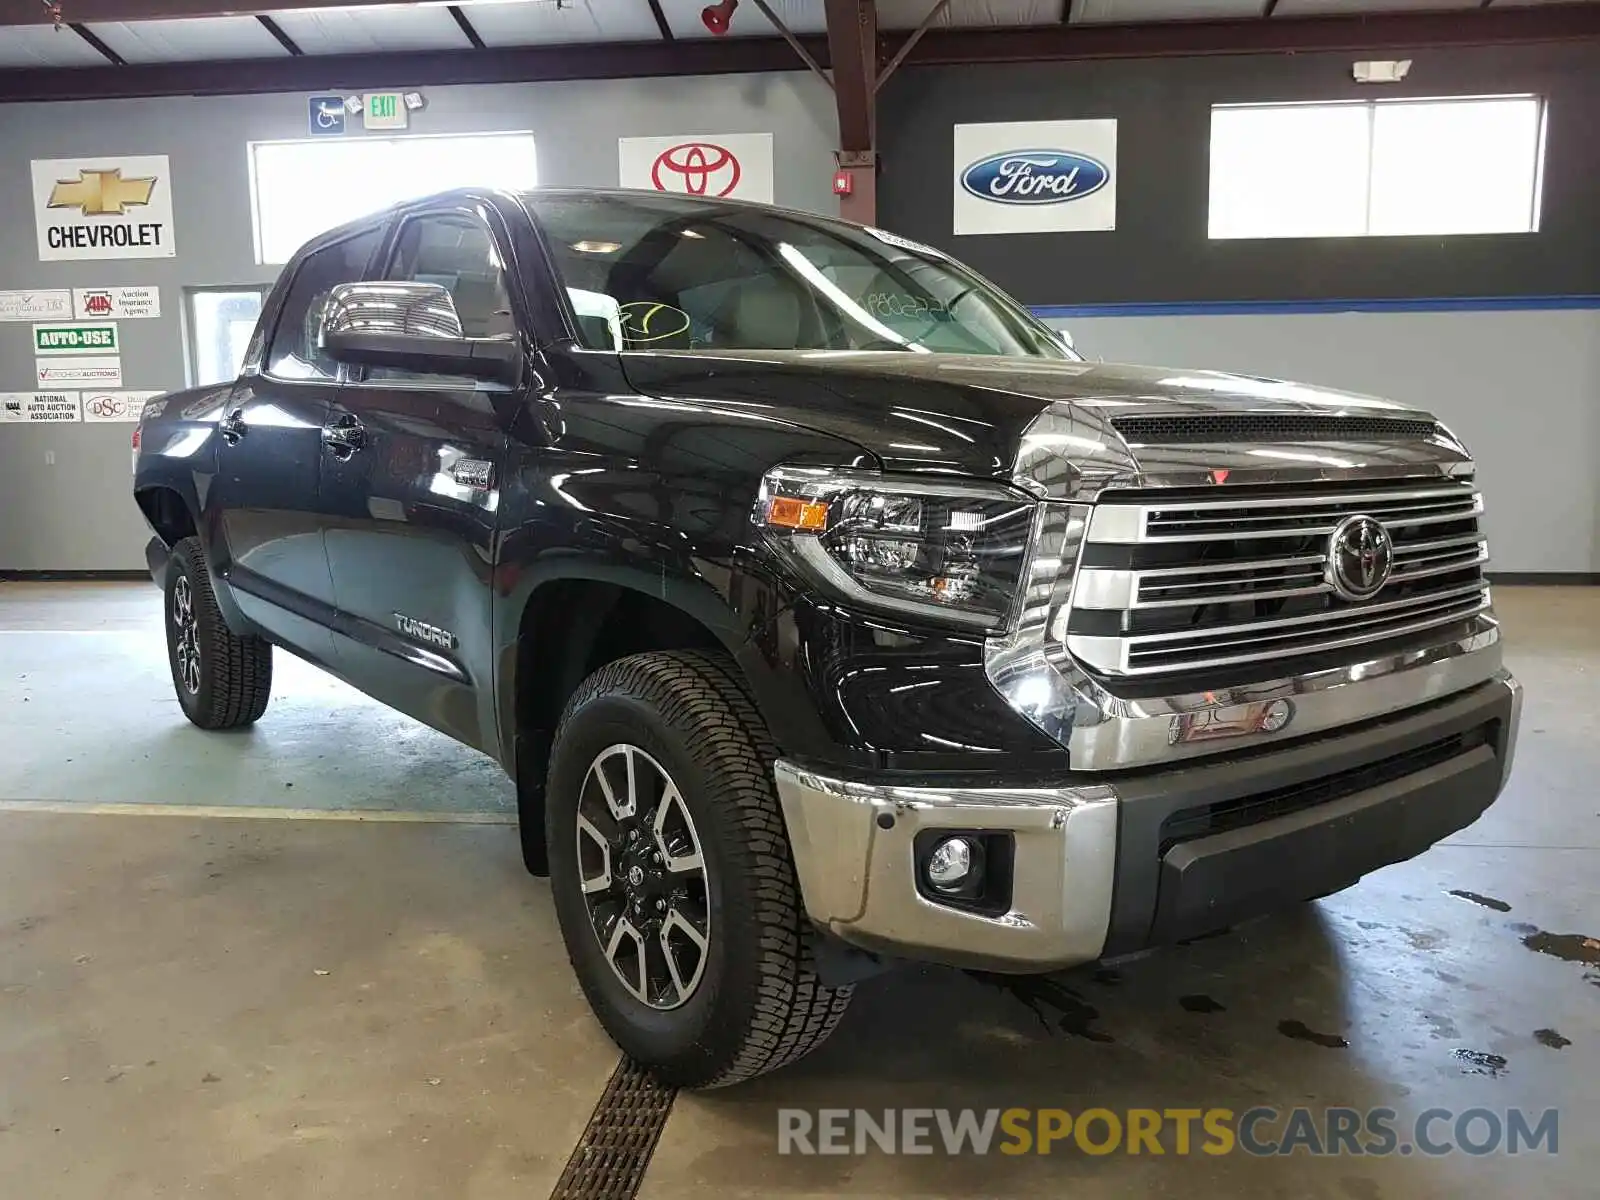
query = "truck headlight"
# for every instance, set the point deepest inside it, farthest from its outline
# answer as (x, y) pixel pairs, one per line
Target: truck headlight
(950, 552)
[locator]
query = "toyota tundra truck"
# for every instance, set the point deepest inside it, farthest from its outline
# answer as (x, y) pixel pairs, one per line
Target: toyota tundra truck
(827, 610)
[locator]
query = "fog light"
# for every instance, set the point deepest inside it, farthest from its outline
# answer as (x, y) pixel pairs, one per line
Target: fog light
(956, 864)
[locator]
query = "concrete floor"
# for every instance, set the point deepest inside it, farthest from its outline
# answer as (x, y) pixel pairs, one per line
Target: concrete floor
(307, 1006)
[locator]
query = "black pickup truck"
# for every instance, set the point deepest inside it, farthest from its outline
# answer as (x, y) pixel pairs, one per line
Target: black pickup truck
(825, 607)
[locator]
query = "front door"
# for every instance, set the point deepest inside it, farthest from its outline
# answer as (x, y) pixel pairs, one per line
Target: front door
(270, 459)
(411, 484)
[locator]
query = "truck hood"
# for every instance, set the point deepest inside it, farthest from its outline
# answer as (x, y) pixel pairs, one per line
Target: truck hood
(968, 413)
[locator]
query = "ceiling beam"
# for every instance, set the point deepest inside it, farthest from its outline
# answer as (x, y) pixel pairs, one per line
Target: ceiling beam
(412, 69)
(283, 39)
(37, 12)
(1252, 35)
(715, 56)
(661, 21)
(106, 52)
(468, 29)
(853, 47)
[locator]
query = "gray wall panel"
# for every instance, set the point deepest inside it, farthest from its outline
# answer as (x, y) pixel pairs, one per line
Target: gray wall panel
(1522, 388)
(1160, 250)
(77, 513)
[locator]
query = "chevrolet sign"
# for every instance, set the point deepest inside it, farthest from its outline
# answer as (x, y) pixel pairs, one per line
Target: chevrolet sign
(103, 208)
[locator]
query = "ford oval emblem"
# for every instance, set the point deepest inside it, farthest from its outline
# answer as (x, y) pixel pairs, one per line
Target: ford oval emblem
(1035, 177)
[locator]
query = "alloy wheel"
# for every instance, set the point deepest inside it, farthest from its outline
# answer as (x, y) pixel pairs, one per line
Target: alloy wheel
(187, 625)
(643, 876)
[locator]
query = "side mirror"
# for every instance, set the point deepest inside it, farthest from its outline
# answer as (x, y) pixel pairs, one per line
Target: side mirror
(412, 327)
(1066, 339)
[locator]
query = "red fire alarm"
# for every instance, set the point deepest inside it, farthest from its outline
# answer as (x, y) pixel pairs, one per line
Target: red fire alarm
(843, 185)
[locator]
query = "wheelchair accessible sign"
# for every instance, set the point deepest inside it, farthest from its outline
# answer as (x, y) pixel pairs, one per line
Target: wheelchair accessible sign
(325, 115)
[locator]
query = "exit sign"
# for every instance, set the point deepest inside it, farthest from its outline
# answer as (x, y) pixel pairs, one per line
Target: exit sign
(383, 110)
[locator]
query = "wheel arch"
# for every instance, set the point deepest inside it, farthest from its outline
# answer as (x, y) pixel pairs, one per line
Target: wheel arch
(567, 628)
(168, 512)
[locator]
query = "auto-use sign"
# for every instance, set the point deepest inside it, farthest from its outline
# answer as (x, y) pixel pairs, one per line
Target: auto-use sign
(75, 339)
(112, 207)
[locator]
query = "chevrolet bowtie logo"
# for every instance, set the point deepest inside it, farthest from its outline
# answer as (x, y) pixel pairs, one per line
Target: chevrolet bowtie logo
(98, 193)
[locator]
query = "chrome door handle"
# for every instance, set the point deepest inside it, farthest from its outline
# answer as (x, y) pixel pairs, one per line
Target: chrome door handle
(233, 427)
(344, 436)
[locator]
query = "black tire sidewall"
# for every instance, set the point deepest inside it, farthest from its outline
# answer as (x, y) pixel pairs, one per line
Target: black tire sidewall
(724, 1001)
(184, 564)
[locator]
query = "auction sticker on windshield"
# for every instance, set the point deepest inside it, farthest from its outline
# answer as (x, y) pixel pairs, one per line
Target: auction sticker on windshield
(1035, 177)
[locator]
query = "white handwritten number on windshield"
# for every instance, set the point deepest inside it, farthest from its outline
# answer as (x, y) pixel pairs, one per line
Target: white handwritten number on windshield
(898, 304)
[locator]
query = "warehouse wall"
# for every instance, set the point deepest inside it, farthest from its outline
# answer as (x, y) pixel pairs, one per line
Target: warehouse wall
(64, 489)
(1499, 334)
(1522, 388)
(1160, 250)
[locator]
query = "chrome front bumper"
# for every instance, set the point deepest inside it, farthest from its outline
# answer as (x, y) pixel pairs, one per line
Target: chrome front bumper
(853, 842)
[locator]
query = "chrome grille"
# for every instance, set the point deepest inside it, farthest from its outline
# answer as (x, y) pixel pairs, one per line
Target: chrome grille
(1233, 428)
(1177, 581)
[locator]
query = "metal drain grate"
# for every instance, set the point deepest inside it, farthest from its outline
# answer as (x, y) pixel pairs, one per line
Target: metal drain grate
(610, 1158)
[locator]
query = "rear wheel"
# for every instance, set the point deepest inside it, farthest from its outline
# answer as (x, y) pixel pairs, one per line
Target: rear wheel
(223, 680)
(672, 875)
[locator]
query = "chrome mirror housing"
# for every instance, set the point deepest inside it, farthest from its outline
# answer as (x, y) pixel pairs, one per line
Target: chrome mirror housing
(411, 327)
(413, 309)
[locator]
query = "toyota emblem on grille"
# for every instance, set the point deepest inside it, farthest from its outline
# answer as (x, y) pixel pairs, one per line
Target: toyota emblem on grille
(1360, 558)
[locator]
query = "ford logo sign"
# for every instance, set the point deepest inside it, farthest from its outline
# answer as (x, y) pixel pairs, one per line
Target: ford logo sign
(1035, 177)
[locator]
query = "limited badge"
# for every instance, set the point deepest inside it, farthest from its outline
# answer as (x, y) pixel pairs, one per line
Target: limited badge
(473, 473)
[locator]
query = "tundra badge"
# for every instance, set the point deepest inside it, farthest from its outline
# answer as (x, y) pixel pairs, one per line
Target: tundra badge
(424, 632)
(473, 472)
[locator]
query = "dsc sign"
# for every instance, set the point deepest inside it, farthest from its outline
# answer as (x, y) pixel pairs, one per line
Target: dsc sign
(736, 165)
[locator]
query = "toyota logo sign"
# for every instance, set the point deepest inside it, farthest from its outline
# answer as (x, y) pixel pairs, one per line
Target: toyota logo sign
(696, 169)
(1360, 558)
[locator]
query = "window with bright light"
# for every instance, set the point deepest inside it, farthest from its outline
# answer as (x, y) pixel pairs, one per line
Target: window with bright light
(221, 321)
(1376, 168)
(300, 189)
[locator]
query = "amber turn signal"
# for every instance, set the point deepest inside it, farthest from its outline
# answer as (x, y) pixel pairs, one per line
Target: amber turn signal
(786, 512)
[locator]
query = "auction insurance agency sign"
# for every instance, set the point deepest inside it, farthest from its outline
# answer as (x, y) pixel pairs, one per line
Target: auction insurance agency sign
(93, 208)
(1036, 177)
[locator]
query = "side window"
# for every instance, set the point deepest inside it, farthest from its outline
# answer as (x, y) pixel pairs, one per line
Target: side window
(293, 353)
(457, 253)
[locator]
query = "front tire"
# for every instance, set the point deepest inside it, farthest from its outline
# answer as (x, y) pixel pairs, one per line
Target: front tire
(672, 875)
(223, 680)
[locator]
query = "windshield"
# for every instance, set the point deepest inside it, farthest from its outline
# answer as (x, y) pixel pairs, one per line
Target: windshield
(651, 272)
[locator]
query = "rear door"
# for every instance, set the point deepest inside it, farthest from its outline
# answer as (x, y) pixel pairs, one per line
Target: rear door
(411, 486)
(269, 460)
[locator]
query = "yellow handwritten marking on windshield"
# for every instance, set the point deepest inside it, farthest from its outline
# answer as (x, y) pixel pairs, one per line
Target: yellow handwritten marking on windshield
(645, 321)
